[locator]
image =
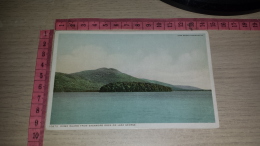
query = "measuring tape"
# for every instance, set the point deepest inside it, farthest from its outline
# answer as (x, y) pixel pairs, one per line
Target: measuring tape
(157, 24)
(42, 69)
(40, 89)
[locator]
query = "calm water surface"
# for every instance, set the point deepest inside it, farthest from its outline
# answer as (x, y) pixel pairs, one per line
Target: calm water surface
(132, 107)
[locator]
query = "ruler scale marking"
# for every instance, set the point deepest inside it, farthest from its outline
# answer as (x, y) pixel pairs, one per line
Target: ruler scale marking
(157, 24)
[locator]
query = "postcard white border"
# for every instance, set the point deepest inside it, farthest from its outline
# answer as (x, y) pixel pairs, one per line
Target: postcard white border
(48, 126)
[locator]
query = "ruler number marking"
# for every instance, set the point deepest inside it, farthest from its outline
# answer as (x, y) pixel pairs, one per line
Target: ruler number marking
(43, 53)
(72, 25)
(37, 110)
(180, 24)
(169, 24)
(40, 86)
(44, 44)
(36, 135)
(41, 75)
(39, 97)
(36, 122)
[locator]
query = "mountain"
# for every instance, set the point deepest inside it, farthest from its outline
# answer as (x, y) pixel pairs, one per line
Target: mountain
(106, 76)
(73, 83)
(93, 80)
(164, 84)
(188, 87)
(90, 80)
(174, 87)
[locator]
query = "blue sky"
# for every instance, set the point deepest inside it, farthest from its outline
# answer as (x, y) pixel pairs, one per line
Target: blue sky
(169, 58)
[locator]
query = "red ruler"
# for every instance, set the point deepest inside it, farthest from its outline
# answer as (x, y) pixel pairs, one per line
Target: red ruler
(42, 69)
(157, 24)
(40, 89)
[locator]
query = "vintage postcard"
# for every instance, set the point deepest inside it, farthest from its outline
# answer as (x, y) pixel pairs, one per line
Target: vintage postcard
(131, 80)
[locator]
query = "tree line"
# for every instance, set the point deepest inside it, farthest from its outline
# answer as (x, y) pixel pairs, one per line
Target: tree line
(134, 87)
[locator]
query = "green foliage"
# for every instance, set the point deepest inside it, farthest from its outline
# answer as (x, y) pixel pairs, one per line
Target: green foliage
(134, 87)
(107, 75)
(72, 83)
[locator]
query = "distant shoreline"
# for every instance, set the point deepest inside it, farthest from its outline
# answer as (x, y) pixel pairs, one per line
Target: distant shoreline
(132, 92)
(111, 80)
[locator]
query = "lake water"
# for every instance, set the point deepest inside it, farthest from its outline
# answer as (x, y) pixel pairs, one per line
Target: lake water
(132, 107)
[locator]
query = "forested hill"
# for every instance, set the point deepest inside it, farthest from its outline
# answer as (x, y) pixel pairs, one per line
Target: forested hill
(106, 75)
(93, 80)
(73, 83)
(134, 87)
(90, 80)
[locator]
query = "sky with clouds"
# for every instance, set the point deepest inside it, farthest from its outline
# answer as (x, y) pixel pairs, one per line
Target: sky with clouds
(169, 58)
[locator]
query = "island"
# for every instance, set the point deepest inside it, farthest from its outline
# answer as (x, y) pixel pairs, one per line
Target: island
(134, 87)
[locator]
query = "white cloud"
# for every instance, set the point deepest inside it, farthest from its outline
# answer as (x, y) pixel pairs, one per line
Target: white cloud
(185, 70)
